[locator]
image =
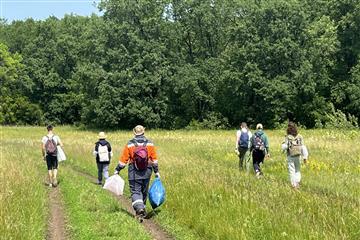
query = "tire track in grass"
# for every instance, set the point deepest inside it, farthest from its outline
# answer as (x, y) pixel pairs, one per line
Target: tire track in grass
(56, 226)
(156, 231)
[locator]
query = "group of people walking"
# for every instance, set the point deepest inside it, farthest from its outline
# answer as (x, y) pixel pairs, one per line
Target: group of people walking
(140, 156)
(256, 146)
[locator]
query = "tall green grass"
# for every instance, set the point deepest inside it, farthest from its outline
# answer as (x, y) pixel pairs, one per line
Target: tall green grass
(23, 195)
(208, 198)
(93, 213)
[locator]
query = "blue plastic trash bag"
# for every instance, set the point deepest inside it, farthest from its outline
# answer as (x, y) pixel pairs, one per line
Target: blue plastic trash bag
(156, 193)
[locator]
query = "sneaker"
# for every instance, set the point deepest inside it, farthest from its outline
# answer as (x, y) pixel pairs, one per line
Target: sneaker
(259, 174)
(50, 185)
(140, 215)
(55, 182)
(99, 183)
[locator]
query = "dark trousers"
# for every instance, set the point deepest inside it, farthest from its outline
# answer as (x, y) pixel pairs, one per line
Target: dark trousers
(258, 157)
(242, 156)
(139, 189)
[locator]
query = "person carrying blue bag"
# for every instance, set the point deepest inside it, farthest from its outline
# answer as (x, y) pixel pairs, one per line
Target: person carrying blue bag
(140, 154)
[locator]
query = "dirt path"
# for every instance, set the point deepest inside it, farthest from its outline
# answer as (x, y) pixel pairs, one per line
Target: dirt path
(56, 225)
(152, 227)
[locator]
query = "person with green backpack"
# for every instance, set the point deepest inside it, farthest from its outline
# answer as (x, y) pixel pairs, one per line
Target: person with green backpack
(295, 150)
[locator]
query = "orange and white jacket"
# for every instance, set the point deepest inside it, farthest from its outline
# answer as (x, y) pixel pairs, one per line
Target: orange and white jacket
(127, 155)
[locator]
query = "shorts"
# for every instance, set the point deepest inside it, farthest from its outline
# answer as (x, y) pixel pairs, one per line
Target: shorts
(51, 162)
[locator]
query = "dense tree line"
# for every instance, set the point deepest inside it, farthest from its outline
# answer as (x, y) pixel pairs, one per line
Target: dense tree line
(171, 63)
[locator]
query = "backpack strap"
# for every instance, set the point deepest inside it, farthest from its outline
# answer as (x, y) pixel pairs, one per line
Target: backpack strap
(133, 141)
(137, 144)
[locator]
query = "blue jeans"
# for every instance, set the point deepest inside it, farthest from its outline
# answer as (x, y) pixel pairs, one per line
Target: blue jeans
(103, 169)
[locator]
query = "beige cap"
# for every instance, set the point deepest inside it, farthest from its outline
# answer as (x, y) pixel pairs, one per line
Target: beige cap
(102, 135)
(139, 130)
(259, 126)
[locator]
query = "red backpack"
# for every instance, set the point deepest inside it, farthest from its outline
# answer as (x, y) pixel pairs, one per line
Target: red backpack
(141, 159)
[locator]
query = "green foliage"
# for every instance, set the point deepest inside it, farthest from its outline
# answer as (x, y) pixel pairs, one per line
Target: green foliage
(15, 108)
(168, 63)
(339, 120)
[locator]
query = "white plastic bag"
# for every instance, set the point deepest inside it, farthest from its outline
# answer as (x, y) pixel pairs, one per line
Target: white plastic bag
(60, 154)
(115, 184)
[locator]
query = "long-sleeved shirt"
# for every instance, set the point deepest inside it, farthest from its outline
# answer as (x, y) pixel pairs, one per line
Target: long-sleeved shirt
(304, 151)
(263, 137)
(127, 157)
(102, 142)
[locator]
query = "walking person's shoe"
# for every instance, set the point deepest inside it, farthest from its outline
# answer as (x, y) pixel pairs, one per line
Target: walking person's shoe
(55, 182)
(259, 174)
(140, 215)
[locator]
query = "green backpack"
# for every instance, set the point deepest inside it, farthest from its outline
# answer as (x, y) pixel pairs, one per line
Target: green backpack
(294, 145)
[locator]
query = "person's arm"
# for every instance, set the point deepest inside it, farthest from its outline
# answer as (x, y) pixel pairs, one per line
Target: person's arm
(43, 150)
(123, 160)
(251, 143)
(238, 134)
(304, 153)
(109, 149)
(153, 158)
(285, 144)
(95, 152)
(250, 136)
(267, 145)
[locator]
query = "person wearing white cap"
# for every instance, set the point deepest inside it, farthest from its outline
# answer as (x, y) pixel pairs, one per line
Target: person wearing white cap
(259, 146)
(103, 154)
(141, 155)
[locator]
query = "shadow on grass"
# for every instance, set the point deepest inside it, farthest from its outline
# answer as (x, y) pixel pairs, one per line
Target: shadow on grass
(152, 213)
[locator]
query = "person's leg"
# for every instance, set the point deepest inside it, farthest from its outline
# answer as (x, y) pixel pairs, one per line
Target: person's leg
(100, 169)
(49, 167)
(50, 177)
(242, 156)
(256, 162)
(291, 170)
(55, 171)
(145, 189)
(297, 175)
(136, 195)
(106, 171)
(55, 177)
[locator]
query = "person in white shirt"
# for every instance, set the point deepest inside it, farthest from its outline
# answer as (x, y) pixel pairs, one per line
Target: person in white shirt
(49, 152)
(242, 144)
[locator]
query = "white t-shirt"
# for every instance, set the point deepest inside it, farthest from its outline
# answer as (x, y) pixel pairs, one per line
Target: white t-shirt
(238, 134)
(55, 137)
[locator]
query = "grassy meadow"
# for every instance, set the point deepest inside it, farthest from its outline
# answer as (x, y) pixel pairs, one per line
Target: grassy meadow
(207, 196)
